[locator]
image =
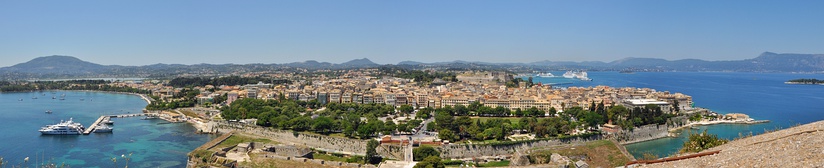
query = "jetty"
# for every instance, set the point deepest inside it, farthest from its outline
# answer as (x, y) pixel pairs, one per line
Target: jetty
(102, 118)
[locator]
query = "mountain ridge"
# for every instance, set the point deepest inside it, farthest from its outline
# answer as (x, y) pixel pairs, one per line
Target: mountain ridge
(59, 65)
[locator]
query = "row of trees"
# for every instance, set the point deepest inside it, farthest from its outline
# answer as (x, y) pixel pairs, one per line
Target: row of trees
(353, 120)
(419, 76)
(184, 98)
(477, 109)
(516, 82)
(456, 128)
(99, 85)
(454, 124)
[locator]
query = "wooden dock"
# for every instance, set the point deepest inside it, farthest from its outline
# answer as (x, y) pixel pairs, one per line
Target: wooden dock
(102, 118)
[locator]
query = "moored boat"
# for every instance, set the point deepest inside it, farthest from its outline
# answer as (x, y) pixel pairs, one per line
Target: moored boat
(101, 128)
(545, 75)
(63, 128)
(107, 121)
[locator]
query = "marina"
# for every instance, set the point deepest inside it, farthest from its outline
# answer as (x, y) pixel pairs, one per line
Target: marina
(153, 144)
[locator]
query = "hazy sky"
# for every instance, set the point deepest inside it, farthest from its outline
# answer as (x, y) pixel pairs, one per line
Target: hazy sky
(191, 32)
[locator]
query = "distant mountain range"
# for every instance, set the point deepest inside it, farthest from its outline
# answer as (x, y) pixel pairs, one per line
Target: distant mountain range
(67, 66)
(766, 62)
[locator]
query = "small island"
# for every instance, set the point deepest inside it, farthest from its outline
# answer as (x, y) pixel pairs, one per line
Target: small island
(805, 82)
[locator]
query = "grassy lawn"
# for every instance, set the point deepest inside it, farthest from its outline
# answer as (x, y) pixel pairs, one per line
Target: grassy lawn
(504, 163)
(189, 113)
(270, 162)
(329, 157)
(203, 155)
(236, 139)
(602, 153)
(338, 157)
(338, 135)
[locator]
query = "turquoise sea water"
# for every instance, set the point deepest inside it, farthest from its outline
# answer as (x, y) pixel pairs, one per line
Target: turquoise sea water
(153, 143)
(763, 96)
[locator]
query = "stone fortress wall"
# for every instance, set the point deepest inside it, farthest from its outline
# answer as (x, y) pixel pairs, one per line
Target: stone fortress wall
(318, 142)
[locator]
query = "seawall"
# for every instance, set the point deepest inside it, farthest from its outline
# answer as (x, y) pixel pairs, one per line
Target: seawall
(461, 151)
(318, 142)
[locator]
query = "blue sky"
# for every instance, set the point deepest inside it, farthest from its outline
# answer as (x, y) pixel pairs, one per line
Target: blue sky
(192, 32)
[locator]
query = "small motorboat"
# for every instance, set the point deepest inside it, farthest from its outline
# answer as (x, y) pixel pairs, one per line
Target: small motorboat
(103, 128)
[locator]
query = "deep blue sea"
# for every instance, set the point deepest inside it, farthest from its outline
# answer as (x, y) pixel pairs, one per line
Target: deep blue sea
(763, 96)
(152, 143)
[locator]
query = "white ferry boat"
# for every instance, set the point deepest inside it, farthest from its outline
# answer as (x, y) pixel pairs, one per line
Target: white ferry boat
(63, 128)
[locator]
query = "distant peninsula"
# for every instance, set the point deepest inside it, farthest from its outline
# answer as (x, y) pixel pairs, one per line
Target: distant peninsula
(805, 82)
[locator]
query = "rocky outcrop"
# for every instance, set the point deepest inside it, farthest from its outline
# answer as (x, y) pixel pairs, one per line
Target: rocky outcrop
(800, 146)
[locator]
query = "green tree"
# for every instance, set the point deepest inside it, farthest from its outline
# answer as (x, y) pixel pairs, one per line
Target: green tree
(529, 82)
(430, 162)
(407, 109)
(422, 152)
(323, 124)
(446, 134)
(615, 112)
(371, 154)
(460, 110)
(444, 120)
(675, 106)
(389, 127)
(424, 113)
(701, 141)
(301, 123)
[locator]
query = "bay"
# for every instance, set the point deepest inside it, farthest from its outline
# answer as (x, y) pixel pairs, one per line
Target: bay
(151, 143)
(763, 96)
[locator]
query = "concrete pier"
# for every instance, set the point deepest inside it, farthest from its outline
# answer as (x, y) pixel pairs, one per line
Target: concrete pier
(102, 118)
(94, 125)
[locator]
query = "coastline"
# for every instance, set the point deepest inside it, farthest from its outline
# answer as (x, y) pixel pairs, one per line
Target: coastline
(803, 83)
(704, 123)
(142, 96)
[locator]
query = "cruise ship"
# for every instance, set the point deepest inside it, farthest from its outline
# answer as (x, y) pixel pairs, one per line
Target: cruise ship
(545, 75)
(569, 74)
(63, 128)
(577, 74)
